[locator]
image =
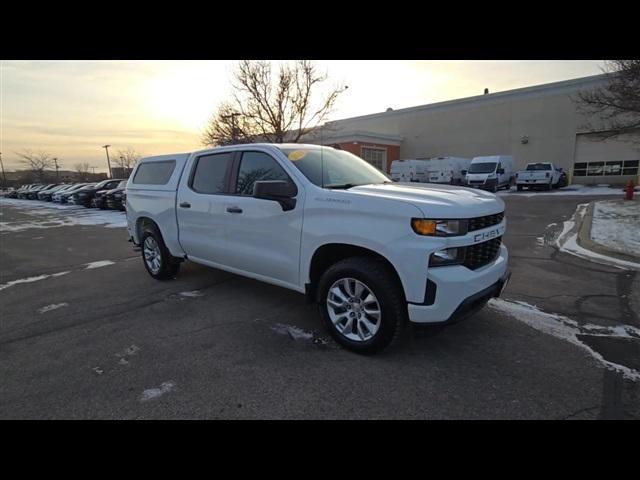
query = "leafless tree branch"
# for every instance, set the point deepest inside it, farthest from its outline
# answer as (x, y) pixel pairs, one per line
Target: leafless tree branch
(272, 107)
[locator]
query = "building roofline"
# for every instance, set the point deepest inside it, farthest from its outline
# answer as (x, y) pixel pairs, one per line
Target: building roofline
(563, 84)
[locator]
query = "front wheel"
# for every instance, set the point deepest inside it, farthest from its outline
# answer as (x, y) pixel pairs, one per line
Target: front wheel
(362, 305)
(157, 259)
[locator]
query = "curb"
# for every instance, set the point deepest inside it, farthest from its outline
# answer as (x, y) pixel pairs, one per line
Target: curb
(584, 239)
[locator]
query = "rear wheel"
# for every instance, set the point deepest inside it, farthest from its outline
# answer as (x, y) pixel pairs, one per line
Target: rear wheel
(362, 305)
(157, 259)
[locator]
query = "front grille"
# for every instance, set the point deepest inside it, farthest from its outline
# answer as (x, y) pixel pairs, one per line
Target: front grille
(479, 223)
(482, 254)
(476, 182)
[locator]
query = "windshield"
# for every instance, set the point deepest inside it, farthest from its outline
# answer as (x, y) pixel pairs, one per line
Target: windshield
(482, 167)
(122, 184)
(330, 168)
(539, 166)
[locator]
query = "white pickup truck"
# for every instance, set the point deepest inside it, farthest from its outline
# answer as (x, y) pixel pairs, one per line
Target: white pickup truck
(539, 175)
(372, 253)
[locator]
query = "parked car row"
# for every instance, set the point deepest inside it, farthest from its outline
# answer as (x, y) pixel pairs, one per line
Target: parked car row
(108, 194)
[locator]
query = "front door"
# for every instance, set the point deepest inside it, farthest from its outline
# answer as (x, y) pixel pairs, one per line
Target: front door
(263, 238)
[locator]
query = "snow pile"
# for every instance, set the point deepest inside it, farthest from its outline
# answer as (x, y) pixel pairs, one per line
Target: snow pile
(566, 329)
(570, 190)
(616, 225)
(567, 242)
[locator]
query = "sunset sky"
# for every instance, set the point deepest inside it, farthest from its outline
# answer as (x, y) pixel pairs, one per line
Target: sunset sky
(71, 109)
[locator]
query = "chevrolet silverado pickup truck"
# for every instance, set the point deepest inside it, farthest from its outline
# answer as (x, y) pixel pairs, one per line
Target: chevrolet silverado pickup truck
(538, 175)
(373, 254)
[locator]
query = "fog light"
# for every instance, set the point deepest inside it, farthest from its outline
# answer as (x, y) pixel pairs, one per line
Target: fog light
(447, 256)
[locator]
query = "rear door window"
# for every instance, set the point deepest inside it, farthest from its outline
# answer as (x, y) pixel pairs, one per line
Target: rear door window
(154, 173)
(211, 172)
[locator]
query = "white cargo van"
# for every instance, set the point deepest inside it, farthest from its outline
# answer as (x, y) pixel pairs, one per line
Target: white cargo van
(491, 172)
(409, 170)
(447, 170)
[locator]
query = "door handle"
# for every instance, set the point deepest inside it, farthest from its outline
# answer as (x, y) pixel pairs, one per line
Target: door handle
(185, 205)
(234, 210)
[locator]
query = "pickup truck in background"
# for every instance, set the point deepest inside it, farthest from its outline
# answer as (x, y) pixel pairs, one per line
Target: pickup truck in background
(373, 254)
(543, 175)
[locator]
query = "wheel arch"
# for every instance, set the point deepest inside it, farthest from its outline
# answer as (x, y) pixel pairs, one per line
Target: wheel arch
(329, 254)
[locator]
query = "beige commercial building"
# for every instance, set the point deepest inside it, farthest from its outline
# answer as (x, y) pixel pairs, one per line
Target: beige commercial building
(534, 124)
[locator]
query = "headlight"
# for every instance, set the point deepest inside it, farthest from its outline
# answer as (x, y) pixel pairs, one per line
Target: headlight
(439, 228)
(448, 256)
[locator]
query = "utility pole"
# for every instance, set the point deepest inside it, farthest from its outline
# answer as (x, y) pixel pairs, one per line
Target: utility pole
(55, 160)
(4, 177)
(234, 130)
(106, 148)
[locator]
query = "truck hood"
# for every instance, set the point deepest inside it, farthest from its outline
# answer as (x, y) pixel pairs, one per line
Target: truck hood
(437, 201)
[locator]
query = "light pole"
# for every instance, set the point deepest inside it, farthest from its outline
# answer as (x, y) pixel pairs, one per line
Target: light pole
(106, 148)
(4, 178)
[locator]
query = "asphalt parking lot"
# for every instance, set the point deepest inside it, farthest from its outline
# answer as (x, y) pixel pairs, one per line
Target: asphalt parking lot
(86, 333)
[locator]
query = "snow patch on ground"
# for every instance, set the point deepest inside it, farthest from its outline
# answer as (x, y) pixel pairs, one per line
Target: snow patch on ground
(192, 294)
(567, 242)
(566, 329)
(98, 264)
(152, 393)
(23, 280)
(570, 190)
(52, 215)
(616, 224)
(294, 333)
(53, 306)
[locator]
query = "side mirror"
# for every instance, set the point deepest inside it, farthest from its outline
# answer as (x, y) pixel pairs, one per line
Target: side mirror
(501, 171)
(463, 172)
(276, 190)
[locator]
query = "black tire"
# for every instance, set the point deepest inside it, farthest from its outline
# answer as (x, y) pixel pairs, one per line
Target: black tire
(519, 187)
(169, 265)
(549, 187)
(379, 278)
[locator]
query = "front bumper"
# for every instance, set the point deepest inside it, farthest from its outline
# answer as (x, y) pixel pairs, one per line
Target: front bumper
(459, 291)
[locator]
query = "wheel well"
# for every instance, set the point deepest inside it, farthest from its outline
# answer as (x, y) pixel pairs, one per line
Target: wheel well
(329, 254)
(143, 222)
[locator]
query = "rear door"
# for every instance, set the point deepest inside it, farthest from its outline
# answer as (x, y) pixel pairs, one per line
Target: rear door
(201, 204)
(264, 239)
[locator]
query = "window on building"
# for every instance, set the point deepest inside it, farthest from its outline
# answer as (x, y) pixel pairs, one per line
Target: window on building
(630, 167)
(618, 167)
(257, 166)
(376, 157)
(210, 175)
(579, 169)
(595, 168)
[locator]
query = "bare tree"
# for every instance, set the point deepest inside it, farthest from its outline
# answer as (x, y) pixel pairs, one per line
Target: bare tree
(272, 107)
(82, 169)
(127, 158)
(36, 162)
(614, 107)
